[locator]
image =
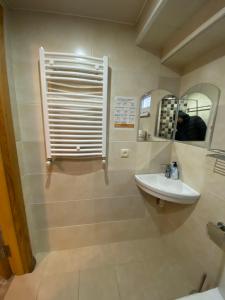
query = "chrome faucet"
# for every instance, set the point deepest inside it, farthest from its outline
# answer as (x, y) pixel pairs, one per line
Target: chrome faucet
(171, 170)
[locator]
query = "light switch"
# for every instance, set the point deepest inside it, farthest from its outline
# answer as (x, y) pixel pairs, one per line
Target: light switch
(124, 153)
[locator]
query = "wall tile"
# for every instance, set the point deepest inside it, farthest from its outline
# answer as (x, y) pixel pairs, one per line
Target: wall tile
(27, 93)
(60, 214)
(34, 157)
(30, 118)
(93, 234)
(222, 279)
(65, 187)
(115, 160)
(19, 149)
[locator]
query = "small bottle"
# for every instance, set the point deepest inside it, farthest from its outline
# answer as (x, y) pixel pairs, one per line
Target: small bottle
(168, 171)
(174, 171)
(142, 135)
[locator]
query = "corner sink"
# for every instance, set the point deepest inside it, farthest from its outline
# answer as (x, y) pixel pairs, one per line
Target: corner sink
(167, 189)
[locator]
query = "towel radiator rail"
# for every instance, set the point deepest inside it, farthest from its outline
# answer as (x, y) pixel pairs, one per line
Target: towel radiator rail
(74, 103)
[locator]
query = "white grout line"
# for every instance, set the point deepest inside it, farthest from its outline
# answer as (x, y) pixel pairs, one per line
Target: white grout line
(78, 288)
(91, 224)
(107, 197)
(117, 280)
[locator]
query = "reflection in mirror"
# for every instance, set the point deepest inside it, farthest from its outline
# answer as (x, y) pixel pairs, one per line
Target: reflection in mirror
(157, 116)
(166, 117)
(196, 114)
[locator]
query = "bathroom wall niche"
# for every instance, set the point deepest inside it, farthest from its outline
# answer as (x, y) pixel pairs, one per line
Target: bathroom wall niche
(157, 116)
(196, 115)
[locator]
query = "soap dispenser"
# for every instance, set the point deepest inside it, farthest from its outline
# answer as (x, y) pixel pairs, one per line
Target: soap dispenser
(174, 171)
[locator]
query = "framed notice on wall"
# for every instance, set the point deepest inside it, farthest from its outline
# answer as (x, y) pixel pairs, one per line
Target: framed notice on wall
(124, 112)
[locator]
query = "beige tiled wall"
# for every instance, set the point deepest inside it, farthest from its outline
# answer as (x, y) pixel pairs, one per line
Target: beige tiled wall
(78, 203)
(191, 235)
(222, 278)
(197, 170)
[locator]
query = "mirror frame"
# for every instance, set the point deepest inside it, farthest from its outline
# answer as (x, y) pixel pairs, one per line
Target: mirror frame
(212, 118)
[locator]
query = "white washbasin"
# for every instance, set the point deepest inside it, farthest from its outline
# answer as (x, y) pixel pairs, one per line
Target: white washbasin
(208, 295)
(167, 189)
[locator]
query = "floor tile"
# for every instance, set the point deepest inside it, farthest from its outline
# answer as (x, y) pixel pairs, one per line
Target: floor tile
(59, 287)
(168, 278)
(125, 252)
(24, 288)
(91, 257)
(98, 284)
(153, 279)
(58, 262)
(133, 282)
(150, 248)
(145, 269)
(4, 285)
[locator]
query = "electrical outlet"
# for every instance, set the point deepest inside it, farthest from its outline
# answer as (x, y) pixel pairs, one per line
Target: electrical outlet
(124, 153)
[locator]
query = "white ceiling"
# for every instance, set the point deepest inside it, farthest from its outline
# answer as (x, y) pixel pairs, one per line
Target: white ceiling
(173, 16)
(121, 11)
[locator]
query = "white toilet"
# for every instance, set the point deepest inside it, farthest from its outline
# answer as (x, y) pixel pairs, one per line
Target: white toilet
(213, 294)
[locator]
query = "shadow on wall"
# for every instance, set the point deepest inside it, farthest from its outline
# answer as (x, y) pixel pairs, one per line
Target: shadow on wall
(76, 167)
(160, 154)
(170, 217)
(68, 207)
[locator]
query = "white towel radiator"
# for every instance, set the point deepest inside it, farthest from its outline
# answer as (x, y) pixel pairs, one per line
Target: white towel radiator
(74, 102)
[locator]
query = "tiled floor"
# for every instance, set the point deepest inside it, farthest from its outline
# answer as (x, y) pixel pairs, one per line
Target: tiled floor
(120, 271)
(4, 285)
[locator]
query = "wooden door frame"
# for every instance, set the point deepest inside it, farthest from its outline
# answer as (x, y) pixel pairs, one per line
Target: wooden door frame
(5, 269)
(12, 210)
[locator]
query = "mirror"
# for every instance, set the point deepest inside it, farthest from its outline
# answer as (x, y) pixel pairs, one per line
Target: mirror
(189, 120)
(157, 116)
(196, 115)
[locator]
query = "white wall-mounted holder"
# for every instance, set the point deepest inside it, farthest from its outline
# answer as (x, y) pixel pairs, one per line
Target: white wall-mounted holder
(217, 233)
(217, 153)
(74, 103)
(219, 165)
